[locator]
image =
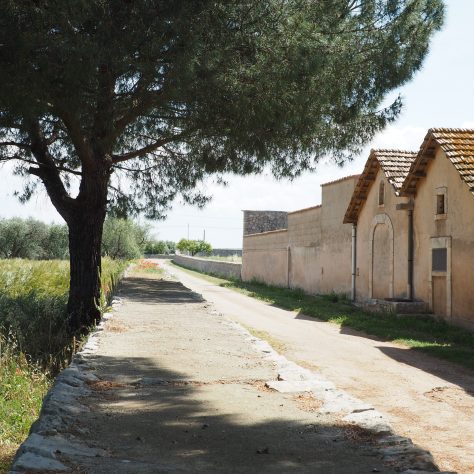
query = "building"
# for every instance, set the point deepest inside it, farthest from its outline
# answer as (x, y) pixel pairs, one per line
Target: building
(403, 230)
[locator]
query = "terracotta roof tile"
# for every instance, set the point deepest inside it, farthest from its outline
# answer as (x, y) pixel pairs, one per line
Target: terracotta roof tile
(457, 143)
(395, 165)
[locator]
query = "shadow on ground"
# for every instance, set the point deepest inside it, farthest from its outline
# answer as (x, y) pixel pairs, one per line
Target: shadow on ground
(443, 369)
(163, 423)
(161, 291)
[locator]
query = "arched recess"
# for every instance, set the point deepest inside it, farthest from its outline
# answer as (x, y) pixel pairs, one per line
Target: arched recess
(381, 257)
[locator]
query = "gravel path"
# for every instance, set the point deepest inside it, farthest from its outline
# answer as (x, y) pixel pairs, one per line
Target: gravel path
(169, 384)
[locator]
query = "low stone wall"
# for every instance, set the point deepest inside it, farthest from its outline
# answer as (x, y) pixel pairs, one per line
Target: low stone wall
(224, 269)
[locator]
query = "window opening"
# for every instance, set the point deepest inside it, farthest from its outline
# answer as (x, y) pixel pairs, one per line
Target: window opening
(440, 204)
(381, 193)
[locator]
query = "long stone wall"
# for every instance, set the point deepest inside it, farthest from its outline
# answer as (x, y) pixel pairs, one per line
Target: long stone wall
(224, 269)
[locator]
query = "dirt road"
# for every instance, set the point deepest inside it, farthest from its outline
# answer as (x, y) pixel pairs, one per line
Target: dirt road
(428, 400)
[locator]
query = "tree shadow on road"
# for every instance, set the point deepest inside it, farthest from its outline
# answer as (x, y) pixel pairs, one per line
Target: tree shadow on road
(147, 290)
(166, 421)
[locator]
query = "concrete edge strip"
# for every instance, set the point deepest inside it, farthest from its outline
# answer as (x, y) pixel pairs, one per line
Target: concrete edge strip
(292, 378)
(50, 435)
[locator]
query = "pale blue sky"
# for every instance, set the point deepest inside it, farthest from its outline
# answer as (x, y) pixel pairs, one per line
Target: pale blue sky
(441, 95)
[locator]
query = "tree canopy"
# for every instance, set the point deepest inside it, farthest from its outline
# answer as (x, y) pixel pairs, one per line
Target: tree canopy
(168, 92)
(193, 247)
(138, 101)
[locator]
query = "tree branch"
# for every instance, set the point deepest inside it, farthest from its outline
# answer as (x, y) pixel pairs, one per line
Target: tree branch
(48, 172)
(147, 149)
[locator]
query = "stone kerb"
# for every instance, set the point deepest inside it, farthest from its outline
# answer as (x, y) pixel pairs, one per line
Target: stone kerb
(224, 269)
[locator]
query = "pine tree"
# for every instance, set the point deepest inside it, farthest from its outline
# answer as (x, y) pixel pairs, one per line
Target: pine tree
(137, 101)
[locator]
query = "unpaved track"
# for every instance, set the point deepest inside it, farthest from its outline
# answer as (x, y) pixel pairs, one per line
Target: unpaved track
(428, 400)
(181, 389)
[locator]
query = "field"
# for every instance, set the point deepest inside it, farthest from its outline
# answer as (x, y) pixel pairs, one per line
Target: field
(34, 343)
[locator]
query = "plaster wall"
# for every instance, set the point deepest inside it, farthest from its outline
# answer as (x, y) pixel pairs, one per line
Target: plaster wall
(314, 254)
(455, 231)
(335, 245)
(390, 226)
(304, 235)
(265, 257)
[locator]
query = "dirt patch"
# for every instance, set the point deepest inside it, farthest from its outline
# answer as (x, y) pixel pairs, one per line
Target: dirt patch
(307, 402)
(115, 326)
(104, 385)
(358, 434)
(261, 386)
(454, 396)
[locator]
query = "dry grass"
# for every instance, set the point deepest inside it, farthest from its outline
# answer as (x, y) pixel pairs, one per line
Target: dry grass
(358, 434)
(7, 452)
(276, 344)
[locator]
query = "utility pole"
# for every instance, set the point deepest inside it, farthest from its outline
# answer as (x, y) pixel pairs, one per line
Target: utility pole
(204, 235)
(188, 231)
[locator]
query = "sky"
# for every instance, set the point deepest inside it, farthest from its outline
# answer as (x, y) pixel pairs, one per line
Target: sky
(440, 95)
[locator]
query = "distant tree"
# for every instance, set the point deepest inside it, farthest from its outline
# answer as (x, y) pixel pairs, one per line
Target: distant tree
(140, 100)
(193, 247)
(159, 247)
(171, 246)
(20, 238)
(123, 239)
(55, 243)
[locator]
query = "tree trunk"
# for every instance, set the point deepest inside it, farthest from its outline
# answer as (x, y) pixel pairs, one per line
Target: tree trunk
(85, 239)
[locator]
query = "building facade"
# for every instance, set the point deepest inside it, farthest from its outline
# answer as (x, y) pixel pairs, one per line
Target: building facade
(402, 230)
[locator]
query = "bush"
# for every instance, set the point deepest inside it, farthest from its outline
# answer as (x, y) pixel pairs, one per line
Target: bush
(32, 239)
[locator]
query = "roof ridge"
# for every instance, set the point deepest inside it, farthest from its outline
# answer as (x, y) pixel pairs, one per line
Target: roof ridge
(448, 129)
(392, 150)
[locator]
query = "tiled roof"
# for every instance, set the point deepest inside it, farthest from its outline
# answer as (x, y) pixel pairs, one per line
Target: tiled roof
(457, 143)
(395, 165)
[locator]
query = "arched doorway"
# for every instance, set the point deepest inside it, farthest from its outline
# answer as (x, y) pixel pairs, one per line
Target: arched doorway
(381, 258)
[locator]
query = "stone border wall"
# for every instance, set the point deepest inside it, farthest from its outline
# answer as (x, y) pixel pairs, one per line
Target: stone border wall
(224, 269)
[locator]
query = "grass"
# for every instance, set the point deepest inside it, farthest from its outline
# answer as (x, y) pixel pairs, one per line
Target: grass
(276, 344)
(33, 298)
(34, 343)
(22, 388)
(422, 333)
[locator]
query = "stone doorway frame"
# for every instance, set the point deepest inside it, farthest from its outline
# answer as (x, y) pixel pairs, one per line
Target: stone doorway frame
(441, 243)
(380, 219)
